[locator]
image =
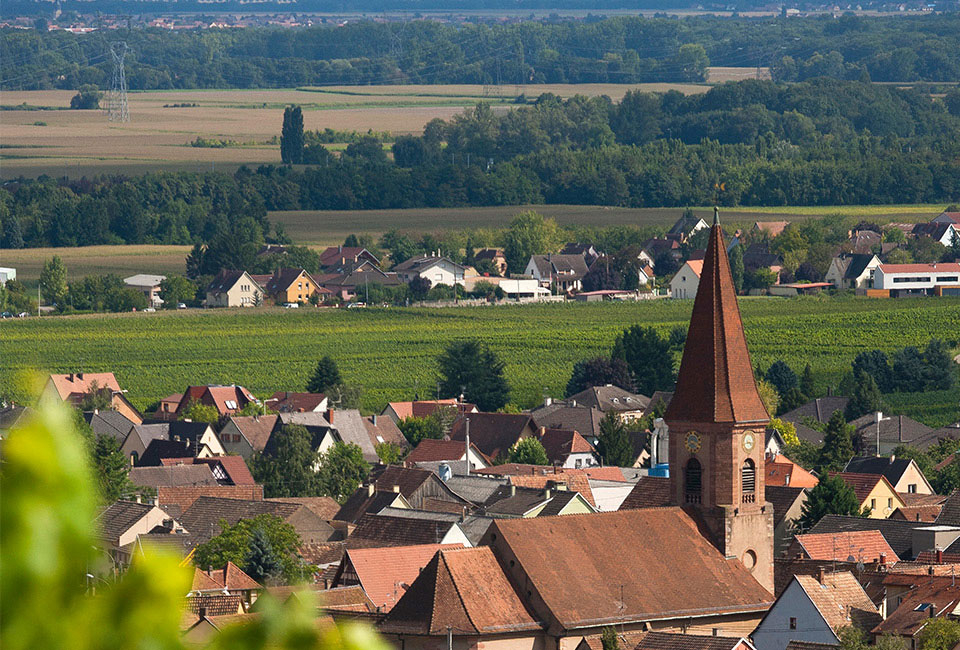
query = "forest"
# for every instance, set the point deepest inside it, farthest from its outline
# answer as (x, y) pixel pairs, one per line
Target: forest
(594, 50)
(821, 142)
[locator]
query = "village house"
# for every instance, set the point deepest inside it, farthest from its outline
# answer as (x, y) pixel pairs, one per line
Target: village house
(861, 545)
(783, 472)
(379, 530)
(230, 580)
(287, 402)
(291, 286)
(941, 232)
(937, 279)
(397, 411)
(435, 269)
(564, 272)
(686, 281)
(247, 435)
(918, 601)
(122, 522)
(75, 386)
(852, 270)
(881, 434)
(148, 285)
(495, 256)
(234, 289)
(202, 519)
(228, 400)
(815, 611)
(432, 451)
(770, 228)
(173, 476)
(787, 505)
(873, 491)
(628, 406)
(336, 258)
(352, 281)
(513, 502)
(584, 250)
(494, 434)
(568, 449)
(572, 416)
(902, 473)
(685, 227)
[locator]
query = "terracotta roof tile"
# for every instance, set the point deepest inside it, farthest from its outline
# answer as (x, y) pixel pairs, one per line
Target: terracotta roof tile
(386, 573)
(215, 605)
(81, 383)
(324, 507)
(840, 600)
(256, 429)
(898, 533)
(649, 492)
(863, 484)
(926, 514)
(941, 594)
(323, 554)
(670, 641)
(465, 590)
(560, 443)
(175, 476)
(575, 483)
(665, 566)
(784, 472)
(430, 450)
(183, 497)
(716, 381)
(285, 401)
(865, 545)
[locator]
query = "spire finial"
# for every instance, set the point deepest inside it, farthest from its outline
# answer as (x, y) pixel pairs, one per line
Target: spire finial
(716, 216)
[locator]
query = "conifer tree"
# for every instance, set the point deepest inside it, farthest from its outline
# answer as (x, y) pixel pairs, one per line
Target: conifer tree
(837, 444)
(261, 562)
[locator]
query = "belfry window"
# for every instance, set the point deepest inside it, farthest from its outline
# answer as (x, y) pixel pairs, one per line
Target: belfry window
(748, 481)
(692, 481)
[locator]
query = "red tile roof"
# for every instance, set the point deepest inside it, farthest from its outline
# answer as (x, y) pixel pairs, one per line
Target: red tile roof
(926, 514)
(230, 577)
(256, 429)
(716, 381)
(426, 408)
(657, 565)
(560, 443)
(863, 484)
(386, 573)
(217, 396)
(784, 472)
(81, 383)
(185, 496)
(430, 450)
(942, 594)
(287, 402)
(649, 492)
(865, 545)
(235, 467)
(939, 267)
(840, 600)
(465, 590)
(324, 507)
(575, 483)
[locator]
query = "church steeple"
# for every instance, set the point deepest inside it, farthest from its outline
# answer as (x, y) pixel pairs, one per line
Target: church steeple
(717, 423)
(716, 377)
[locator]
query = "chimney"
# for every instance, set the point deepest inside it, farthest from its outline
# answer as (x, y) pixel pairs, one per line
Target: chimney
(330, 416)
(210, 570)
(547, 401)
(821, 574)
(932, 610)
(80, 376)
(138, 498)
(513, 490)
(573, 402)
(374, 419)
(202, 613)
(883, 559)
(546, 493)
(370, 489)
(939, 556)
(396, 489)
(543, 431)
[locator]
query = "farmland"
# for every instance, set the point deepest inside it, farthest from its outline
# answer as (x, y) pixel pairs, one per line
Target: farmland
(331, 226)
(391, 352)
(40, 136)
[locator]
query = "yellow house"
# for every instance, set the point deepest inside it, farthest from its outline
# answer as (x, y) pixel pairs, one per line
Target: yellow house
(291, 285)
(873, 491)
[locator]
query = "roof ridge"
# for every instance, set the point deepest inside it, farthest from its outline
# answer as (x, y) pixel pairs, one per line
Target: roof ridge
(456, 588)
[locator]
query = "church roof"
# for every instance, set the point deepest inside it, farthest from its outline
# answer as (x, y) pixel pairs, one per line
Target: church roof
(716, 376)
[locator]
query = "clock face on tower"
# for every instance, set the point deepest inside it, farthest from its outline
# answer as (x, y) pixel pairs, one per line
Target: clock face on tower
(692, 442)
(748, 441)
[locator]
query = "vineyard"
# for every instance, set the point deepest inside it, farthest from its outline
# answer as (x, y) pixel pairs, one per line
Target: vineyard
(391, 352)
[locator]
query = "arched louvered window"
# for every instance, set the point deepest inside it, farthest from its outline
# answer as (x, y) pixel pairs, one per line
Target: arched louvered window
(692, 481)
(748, 481)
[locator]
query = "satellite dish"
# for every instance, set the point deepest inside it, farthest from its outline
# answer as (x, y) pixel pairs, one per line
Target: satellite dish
(850, 558)
(860, 566)
(445, 472)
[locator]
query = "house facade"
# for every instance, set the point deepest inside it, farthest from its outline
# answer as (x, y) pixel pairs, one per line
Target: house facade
(290, 286)
(565, 272)
(438, 270)
(148, 285)
(234, 289)
(685, 283)
(852, 271)
(918, 279)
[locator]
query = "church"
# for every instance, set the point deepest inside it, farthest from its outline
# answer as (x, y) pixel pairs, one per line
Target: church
(699, 560)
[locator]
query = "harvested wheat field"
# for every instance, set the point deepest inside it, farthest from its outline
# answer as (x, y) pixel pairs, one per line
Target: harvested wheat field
(93, 260)
(44, 137)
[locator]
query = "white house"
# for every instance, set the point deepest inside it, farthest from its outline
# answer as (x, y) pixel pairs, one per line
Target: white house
(564, 271)
(941, 232)
(234, 289)
(814, 610)
(7, 273)
(684, 284)
(149, 285)
(438, 270)
(917, 278)
(852, 271)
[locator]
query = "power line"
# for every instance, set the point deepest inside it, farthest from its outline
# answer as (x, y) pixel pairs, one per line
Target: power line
(117, 107)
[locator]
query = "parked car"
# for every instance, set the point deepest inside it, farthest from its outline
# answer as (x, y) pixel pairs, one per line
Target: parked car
(291, 305)
(149, 309)
(6, 314)
(181, 305)
(22, 314)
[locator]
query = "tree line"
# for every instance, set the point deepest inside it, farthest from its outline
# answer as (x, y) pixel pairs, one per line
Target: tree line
(596, 50)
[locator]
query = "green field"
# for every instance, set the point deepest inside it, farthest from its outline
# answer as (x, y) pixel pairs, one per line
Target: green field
(391, 352)
(331, 226)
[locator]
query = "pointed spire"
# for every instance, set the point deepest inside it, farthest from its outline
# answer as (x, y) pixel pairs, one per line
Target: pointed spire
(716, 376)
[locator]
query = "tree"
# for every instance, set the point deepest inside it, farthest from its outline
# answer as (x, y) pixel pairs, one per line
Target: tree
(852, 638)
(472, 368)
(768, 395)
(609, 639)
(111, 469)
(12, 234)
(325, 376)
(786, 429)
(415, 429)
(807, 386)
(939, 634)
(831, 496)
(233, 545)
(291, 136)
(196, 411)
(790, 400)
(875, 364)
(390, 453)
(648, 357)
(614, 444)
(287, 467)
(781, 376)
(342, 469)
(940, 371)
(176, 289)
(53, 282)
(837, 444)
(261, 562)
(529, 234)
(87, 98)
(529, 451)
(599, 371)
(736, 266)
(691, 59)
(866, 397)
(97, 398)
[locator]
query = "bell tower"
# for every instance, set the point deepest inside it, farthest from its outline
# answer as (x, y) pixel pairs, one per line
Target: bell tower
(717, 423)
